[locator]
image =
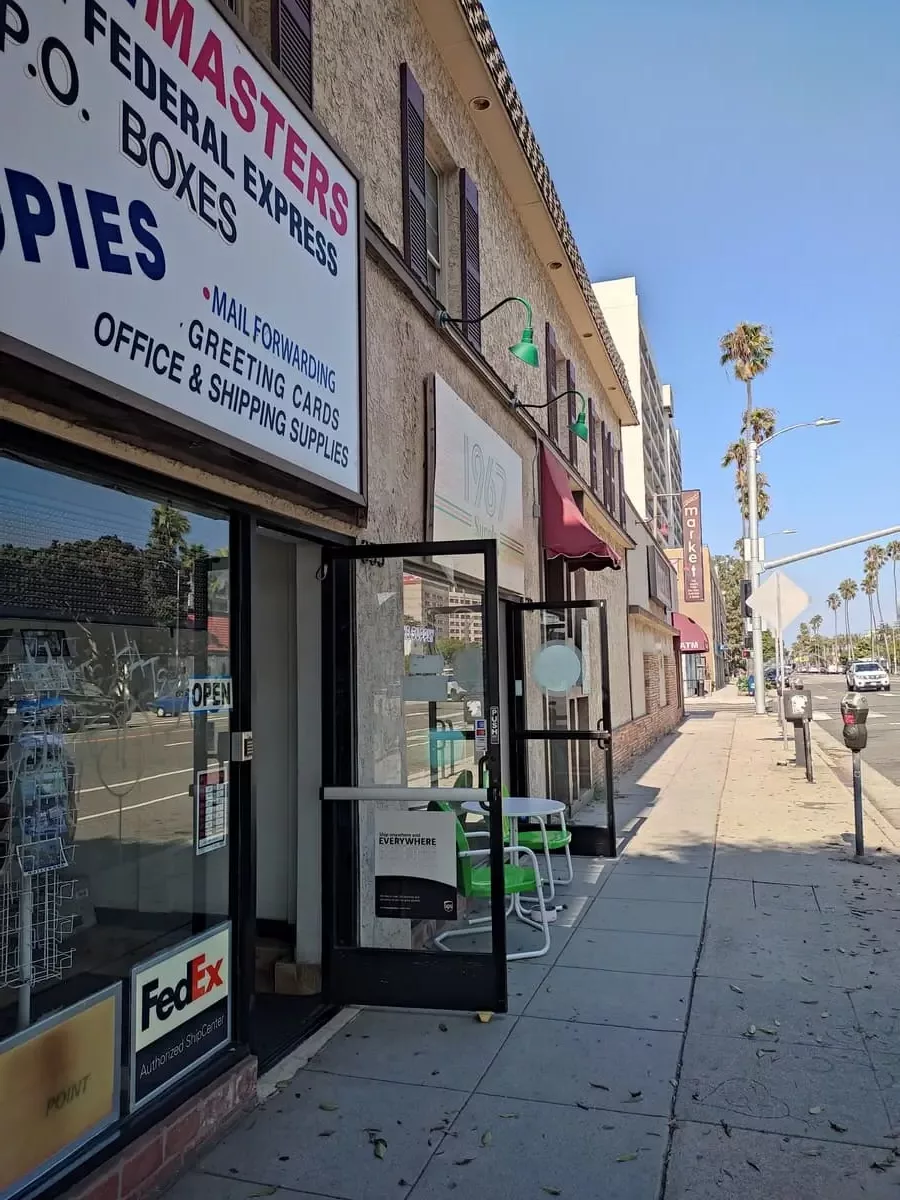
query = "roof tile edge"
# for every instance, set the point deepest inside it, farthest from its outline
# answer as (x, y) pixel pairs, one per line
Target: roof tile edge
(486, 41)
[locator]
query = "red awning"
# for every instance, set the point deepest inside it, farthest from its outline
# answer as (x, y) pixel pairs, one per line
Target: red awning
(566, 534)
(693, 637)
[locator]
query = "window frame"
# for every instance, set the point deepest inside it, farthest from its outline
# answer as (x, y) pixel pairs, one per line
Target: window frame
(435, 262)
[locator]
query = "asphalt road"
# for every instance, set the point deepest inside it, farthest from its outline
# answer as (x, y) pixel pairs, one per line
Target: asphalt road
(883, 749)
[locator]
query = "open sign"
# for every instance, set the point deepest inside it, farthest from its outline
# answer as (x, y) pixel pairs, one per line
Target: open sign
(210, 695)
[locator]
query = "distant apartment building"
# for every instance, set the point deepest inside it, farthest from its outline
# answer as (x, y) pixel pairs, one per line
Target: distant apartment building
(651, 450)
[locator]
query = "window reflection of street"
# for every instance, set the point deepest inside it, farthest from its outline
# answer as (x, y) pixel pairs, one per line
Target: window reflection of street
(121, 622)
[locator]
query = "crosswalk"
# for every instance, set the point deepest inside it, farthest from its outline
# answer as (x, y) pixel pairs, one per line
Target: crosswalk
(818, 715)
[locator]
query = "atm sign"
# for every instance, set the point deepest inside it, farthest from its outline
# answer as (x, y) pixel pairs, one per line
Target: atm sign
(208, 695)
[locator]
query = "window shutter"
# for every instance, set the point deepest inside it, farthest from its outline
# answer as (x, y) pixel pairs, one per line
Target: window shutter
(550, 357)
(470, 243)
(592, 442)
(412, 161)
(570, 408)
(292, 43)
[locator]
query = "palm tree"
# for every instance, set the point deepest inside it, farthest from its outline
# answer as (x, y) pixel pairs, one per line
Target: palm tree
(760, 422)
(875, 558)
(869, 587)
(815, 624)
(834, 603)
(168, 530)
(847, 589)
(747, 349)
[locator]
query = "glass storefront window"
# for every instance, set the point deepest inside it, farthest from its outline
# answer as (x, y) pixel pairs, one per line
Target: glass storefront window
(113, 791)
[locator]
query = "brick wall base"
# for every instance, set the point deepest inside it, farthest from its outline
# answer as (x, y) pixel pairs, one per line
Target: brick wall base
(638, 736)
(150, 1163)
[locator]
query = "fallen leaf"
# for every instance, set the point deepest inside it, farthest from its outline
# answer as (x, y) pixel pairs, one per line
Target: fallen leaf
(636, 1095)
(269, 1191)
(442, 1027)
(486, 1138)
(770, 1032)
(751, 1030)
(814, 1112)
(751, 1163)
(601, 1086)
(551, 1191)
(379, 1146)
(837, 1128)
(463, 1162)
(734, 987)
(626, 1158)
(484, 1017)
(509, 1116)
(326, 1133)
(806, 979)
(327, 1106)
(824, 1015)
(726, 1127)
(581, 1104)
(884, 1165)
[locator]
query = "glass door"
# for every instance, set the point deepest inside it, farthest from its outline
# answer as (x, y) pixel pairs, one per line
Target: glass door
(413, 906)
(560, 712)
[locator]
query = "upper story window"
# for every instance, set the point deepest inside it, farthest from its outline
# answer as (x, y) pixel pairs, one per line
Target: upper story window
(433, 221)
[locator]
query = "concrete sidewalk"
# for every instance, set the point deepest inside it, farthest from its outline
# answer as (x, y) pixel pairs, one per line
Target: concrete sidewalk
(719, 1015)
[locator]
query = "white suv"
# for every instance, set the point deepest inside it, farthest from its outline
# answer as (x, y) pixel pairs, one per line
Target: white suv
(868, 677)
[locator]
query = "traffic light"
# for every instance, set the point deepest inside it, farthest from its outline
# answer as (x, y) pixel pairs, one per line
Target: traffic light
(746, 589)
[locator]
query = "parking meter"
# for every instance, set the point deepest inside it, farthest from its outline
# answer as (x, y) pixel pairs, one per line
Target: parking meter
(798, 703)
(854, 714)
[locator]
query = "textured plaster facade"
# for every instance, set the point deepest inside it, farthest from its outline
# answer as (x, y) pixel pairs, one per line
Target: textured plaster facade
(357, 51)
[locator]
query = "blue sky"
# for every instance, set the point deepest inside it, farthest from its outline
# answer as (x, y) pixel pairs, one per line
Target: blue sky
(743, 161)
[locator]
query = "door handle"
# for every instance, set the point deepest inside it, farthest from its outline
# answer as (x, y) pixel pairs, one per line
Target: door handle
(604, 737)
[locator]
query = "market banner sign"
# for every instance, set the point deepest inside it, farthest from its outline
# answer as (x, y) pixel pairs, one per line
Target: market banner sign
(171, 224)
(415, 865)
(59, 1087)
(180, 1011)
(694, 586)
(477, 487)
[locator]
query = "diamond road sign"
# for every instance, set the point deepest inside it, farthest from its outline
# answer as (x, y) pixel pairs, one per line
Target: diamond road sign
(779, 601)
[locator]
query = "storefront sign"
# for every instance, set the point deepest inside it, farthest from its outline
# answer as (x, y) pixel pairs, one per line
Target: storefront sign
(694, 587)
(211, 802)
(477, 491)
(660, 577)
(175, 227)
(210, 695)
(415, 865)
(180, 1011)
(59, 1087)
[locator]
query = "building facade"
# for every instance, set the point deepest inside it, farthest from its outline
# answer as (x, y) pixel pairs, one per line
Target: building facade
(652, 449)
(701, 623)
(285, 531)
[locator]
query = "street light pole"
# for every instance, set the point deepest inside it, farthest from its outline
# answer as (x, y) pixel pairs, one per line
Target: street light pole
(759, 682)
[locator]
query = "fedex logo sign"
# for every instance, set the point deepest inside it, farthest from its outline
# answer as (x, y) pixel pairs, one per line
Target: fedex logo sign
(169, 991)
(199, 979)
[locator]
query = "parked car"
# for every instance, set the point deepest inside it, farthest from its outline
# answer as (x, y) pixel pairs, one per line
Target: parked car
(171, 705)
(868, 676)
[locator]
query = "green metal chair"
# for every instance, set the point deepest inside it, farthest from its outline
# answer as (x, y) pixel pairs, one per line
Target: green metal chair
(473, 881)
(541, 841)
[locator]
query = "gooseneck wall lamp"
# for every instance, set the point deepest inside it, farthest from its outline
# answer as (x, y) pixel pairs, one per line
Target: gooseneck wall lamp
(579, 426)
(523, 349)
